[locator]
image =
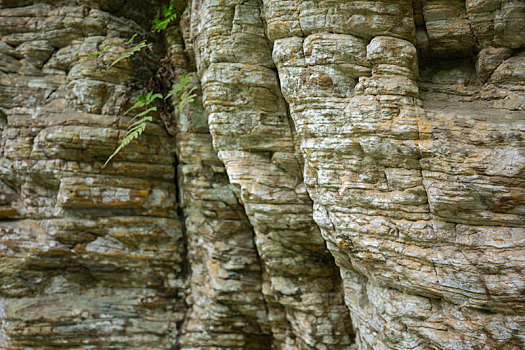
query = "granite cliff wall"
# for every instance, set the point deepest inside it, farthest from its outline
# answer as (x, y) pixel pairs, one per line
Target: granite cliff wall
(350, 175)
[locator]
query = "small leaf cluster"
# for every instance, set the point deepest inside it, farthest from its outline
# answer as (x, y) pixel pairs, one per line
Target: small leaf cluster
(169, 13)
(138, 122)
(181, 91)
(128, 53)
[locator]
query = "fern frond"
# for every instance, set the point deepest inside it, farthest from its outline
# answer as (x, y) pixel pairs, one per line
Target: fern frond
(169, 15)
(107, 48)
(131, 39)
(140, 103)
(151, 109)
(150, 97)
(130, 136)
(160, 25)
(98, 53)
(129, 52)
(137, 127)
(175, 90)
(141, 121)
(144, 101)
(183, 92)
(186, 97)
(172, 92)
(184, 79)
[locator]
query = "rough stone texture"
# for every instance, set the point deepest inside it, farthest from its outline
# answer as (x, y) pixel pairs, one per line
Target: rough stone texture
(90, 258)
(351, 174)
(418, 190)
(255, 139)
(226, 308)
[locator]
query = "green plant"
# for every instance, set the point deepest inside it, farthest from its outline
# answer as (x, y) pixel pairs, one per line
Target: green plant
(107, 48)
(169, 13)
(130, 52)
(181, 91)
(138, 122)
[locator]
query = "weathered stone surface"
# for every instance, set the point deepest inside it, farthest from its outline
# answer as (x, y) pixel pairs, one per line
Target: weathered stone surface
(400, 184)
(226, 309)
(249, 124)
(90, 258)
(350, 175)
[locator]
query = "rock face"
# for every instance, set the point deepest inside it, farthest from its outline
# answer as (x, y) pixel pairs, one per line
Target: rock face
(350, 175)
(90, 258)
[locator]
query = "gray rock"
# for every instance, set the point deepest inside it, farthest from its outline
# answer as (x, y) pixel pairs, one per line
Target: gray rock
(350, 175)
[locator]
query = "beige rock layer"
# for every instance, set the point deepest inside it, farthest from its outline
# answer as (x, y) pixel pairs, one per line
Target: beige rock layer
(226, 309)
(352, 176)
(419, 199)
(90, 258)
(254, 137)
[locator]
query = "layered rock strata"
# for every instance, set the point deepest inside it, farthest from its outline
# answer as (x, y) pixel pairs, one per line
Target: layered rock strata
(91, 258)
(225, 305)
(426, 230)
(351, 175)
(255, 139)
